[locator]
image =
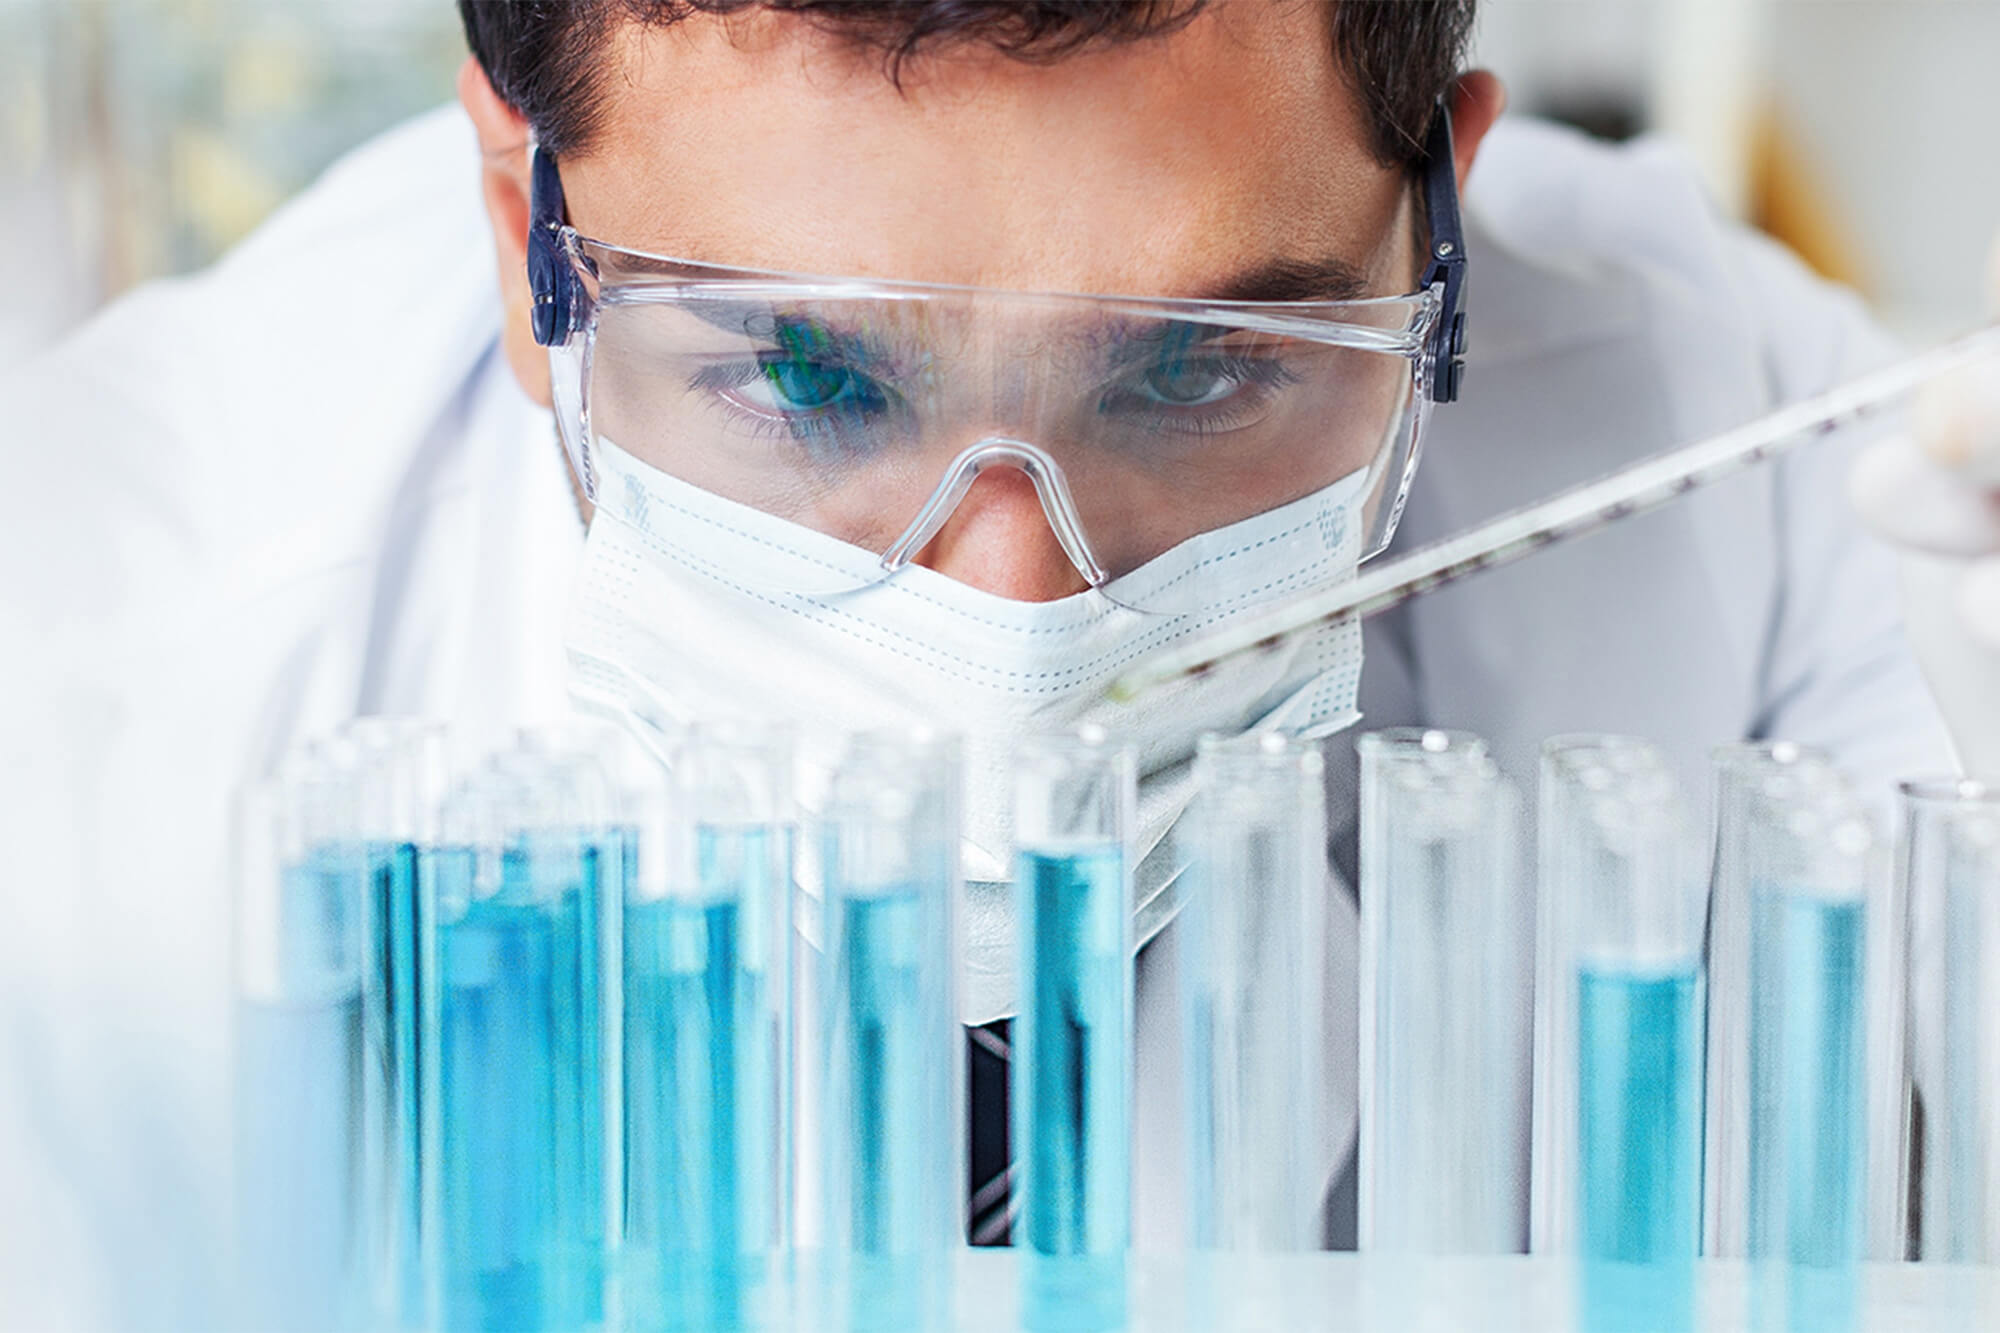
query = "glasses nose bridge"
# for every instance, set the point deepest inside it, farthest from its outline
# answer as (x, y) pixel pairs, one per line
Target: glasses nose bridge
(1051, 488)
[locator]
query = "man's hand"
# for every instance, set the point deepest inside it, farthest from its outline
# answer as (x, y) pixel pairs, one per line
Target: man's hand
(1935, 494)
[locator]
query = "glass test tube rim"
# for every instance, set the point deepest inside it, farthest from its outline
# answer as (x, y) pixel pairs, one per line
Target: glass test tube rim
(518, 792)
(404, 763)
(1589, 761)
(940, 743)
(1090, 741)
(583, 774)
(1442, 742)
(1609, 742)
(489, 812)
(939, 752)
(1256, 756)
(734, 746)
(1768, 753)
(1831, 827)
(1449, 799)
(1648, 827)
(375, 729)
(897, 776)
(1089, 753)
(1939, 790)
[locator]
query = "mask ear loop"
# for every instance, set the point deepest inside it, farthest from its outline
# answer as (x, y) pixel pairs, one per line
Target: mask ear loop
(1050, 486)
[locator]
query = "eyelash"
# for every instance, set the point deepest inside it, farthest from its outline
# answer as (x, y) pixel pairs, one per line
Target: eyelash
(823, 430)
(1258, 374)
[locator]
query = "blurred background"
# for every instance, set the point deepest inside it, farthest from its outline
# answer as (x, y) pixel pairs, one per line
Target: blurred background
(141, 138)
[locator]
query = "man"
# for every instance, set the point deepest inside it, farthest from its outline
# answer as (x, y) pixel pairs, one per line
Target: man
(323, 480)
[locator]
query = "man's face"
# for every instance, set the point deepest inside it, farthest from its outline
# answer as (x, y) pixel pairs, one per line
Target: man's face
(1227, 160)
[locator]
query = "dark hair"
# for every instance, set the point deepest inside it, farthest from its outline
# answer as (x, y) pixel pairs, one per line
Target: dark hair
(542, 55)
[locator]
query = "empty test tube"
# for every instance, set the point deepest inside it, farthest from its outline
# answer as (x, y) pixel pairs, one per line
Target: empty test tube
(890, 1050)
(398, 769)
(1254, 990)
(1074, 799)
(1445, 976)
(707, 968)
(1806, 854)
(512, 915)
(298, 1133)
(1949, 862)
(1638, 1053)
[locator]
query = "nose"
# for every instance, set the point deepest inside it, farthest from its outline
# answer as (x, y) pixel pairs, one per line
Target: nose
(999, 540)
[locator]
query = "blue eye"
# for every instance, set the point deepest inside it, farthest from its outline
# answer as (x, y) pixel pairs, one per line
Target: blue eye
(830, 409)
(1189, 383)
(794, 385)
(1199, 394)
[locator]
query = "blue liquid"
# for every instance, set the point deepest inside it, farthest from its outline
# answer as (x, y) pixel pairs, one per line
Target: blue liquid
(298, 1085)
(520, 1123)
(1808, 1139)
(392, 1050)
(299, 1161)
(1639, 1098)
(885, 1118)
(701, 1088)
(1072, 1091)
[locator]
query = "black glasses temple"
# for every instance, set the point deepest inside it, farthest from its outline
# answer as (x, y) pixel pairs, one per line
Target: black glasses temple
(1446, 263)
(556, 288)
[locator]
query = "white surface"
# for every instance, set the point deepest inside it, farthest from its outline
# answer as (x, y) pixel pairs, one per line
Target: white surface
(1346, 1293)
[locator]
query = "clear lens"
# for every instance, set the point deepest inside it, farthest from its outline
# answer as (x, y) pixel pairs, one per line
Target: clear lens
(844, 410)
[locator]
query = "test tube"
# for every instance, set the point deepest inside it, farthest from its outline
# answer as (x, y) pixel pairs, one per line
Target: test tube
(1949, 860)
(707, 969)
(1074, 801)
(890, 1051)
(1254, 997)
(1741, 769)
(1575, 769)
(607, 755)
(1639, 1054)
(398, 771)
(1807, 857)
(1445, 980)
(513, 1087)
(298, 1066)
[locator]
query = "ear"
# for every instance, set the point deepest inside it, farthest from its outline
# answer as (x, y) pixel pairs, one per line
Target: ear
(1477, 99)
(503, 171)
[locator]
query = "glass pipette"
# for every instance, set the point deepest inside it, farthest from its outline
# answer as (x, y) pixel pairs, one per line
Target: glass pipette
(1644, 486)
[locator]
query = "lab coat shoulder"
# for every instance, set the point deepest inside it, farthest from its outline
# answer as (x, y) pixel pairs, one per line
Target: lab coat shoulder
(1581, 236)
(251, 416)
(213, 489)
(1576, 239)
(1614, 314)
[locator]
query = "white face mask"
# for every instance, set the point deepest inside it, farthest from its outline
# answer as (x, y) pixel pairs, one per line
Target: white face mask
(667, 625)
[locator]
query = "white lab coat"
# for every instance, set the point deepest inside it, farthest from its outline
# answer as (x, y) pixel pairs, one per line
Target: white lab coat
(300, 486)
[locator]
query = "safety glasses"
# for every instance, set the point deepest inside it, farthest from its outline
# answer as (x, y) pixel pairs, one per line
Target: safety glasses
(867, 412)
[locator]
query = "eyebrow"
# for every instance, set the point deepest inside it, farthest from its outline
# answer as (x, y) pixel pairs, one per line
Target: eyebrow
(1324, 279)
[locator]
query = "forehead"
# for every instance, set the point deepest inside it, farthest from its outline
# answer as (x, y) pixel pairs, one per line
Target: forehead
(1164, 166)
